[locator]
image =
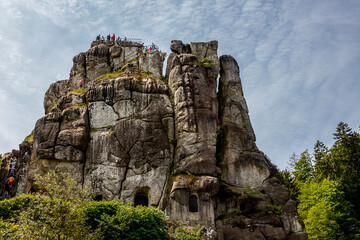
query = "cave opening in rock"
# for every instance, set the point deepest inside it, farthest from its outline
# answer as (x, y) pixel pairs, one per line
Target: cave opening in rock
(243, 206)
(98, 197)
(193, 204)
(32, 190)
(141, 199)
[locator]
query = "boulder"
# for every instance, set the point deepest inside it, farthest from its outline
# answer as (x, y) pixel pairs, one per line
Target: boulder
(54, 93)
(152, 64)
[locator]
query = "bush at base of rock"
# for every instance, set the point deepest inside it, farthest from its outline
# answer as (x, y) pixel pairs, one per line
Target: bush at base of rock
(134, 223)
(11, 208)
(60, 210)
(177, 231)
(117, 221)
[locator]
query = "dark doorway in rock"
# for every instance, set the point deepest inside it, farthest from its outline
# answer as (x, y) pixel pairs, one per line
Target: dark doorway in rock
(98, 197)
(193, 204)
(32, 190)
(242, 206)
(141, 199)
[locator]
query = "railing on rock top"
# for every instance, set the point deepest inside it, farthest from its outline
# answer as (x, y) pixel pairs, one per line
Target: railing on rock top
(136, 42)
(128, 42)
(153, 47)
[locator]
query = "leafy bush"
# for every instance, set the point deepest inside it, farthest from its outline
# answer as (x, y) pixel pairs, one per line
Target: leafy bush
(62, 210)
(206, 63)
(134, 223)
(8, 230)
(55, 213)
(11, 208)
(94, 211)
(182, 232)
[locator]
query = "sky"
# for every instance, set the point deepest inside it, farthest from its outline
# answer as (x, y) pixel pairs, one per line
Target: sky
(299, 60)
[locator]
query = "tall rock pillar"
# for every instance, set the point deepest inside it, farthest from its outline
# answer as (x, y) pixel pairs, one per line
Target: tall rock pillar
(193, 70)
(242, 164)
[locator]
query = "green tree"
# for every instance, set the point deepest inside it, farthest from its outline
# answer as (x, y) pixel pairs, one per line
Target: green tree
(289, 181)
(57, 214)
(292, 161)
(326, 212)
(303, 169)
(320, 150)
(342, 161)
(342, 164)
(329, 203)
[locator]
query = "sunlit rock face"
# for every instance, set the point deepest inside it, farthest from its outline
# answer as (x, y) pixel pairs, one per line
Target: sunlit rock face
(182, 142)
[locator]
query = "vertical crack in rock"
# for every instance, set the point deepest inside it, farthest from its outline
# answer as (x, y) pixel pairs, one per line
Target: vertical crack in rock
(87, 144)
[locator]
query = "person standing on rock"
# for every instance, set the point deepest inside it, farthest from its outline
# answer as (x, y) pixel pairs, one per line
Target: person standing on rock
(8, 186)
(12, 166)
(81, 83)
(103, 39)
(113, 37)
(108, 37)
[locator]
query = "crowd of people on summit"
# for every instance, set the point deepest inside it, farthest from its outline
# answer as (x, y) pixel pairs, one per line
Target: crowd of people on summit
(9, 183)
(112, 38)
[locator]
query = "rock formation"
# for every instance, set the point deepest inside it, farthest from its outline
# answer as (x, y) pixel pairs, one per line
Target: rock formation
(175, 143)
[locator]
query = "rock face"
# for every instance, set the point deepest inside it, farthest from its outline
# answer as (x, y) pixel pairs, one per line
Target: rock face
(176, 144)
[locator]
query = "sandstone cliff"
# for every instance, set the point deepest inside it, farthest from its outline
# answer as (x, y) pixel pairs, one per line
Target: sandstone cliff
(177, 143)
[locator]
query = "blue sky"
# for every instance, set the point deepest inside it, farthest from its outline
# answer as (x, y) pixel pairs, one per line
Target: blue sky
(299, 60)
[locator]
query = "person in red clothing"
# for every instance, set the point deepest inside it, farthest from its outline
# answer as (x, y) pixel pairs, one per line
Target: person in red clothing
(113, 37)
(8, 187)
(81, 83)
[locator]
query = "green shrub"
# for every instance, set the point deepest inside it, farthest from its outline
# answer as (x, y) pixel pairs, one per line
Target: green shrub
(79, 91)
(56, 211)
(11, 208)
(206, 63)
(94, 211)
(29, 138)
(8, 230)
(165, 79)
(109, 75)
(134, 223)
(186, 233)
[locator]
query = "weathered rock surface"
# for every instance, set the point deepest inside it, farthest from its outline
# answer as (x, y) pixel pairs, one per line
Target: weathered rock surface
(242, 164)
(55, 92)
(177, 145)
(250, 199)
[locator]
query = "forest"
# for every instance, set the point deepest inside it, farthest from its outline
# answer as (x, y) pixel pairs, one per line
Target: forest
(325, 186)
